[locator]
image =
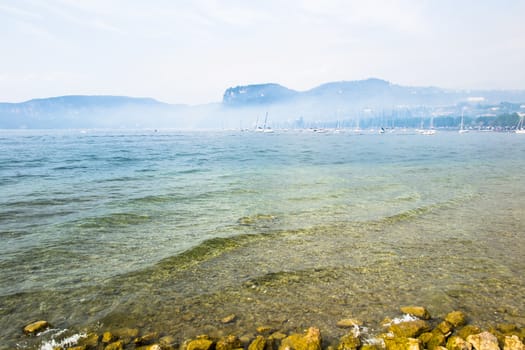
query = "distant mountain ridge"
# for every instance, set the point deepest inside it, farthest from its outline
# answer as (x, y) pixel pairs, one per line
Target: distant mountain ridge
(333, 101)
(80, 101)
(77, 111)
(371, 92)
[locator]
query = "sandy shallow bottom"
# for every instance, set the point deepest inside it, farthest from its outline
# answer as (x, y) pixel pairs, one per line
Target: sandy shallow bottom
(445, 257)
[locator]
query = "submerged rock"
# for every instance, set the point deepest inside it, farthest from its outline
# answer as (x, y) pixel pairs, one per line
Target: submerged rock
(199, 344)
(349, 323)
(36, 327)
(228, 319)
(468, 330)
(146, 338)
(264, 329)
(229, 342)
(167, 342)
(118, 345)
(418, 311)
(90, 342)
(483, 341)
(311, 340)
(409, 329)
(273, 342)
(126, 333)
(506, 327)
(456, 318)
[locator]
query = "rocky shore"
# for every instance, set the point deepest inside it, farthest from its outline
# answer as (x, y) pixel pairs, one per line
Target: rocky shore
(415, 330)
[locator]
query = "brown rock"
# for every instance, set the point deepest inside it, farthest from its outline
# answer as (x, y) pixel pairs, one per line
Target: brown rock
(418, 311)
(273, 342)
(402, 343)
(468, 330)
(372, 346)
(199, 344)
(228, 319)
(483, 341)
(458, 343)
(258, 343)
(108, 337)
(445, 328)
(386, 322)
(349, 342)
(229, 342)
(513, 343)
(264, 329)
(146, 338)
(90, 342)
(149, 347)
(311, 340)
(424, 338)
(438, 339)
(36, 327)
(278, 336)
(409, 329)
(349, 323)
(118, 345)
(167, 342)
(456, 318)
(246, 339)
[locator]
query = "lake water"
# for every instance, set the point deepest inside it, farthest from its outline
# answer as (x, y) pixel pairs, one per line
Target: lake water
(172, 231)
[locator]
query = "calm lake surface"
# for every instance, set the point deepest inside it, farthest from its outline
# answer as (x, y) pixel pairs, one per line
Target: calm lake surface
(172, 231)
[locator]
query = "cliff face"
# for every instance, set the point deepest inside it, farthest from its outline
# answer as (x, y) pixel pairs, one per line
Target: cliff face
(257, 95)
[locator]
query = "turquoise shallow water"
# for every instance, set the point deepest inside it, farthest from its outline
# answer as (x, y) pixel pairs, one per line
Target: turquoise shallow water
(173, 230)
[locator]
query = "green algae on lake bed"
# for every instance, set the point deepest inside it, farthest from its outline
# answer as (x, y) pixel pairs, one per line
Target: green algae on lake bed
(271, 239)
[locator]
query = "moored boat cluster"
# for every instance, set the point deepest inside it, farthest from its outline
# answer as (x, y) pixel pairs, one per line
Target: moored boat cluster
(416, 330)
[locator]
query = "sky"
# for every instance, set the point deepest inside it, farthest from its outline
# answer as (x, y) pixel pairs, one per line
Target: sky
(190, 52)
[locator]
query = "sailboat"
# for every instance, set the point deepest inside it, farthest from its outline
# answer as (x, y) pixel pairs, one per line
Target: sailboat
(264, 128)
(519, 127)
(430, 131)
(357, 129)
(462, 129)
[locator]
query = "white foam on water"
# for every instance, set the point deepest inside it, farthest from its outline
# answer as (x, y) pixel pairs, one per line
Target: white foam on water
(62, 343)
(57, 332)
(375, 341)
(356, 331)
(404, 318)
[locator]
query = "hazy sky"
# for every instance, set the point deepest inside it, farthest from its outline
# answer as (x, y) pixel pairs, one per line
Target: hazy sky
(190, 51)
